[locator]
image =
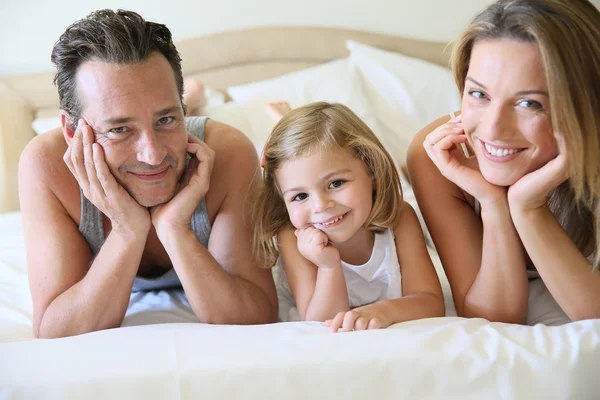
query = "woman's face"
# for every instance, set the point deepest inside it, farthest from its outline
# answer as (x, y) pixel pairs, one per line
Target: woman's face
(506, 110)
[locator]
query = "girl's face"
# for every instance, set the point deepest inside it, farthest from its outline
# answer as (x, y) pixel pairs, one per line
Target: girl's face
(506, 110)
(330, 190)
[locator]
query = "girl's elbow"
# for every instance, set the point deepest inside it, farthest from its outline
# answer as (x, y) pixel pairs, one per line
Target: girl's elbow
(439, 308)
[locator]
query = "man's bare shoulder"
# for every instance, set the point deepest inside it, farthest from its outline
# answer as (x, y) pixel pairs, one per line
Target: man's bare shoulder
(224, 138)
(236, 171)
(43, 152)
(41, 166)
(236, 159)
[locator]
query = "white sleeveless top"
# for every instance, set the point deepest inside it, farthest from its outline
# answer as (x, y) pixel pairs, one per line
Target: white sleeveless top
(378, 279)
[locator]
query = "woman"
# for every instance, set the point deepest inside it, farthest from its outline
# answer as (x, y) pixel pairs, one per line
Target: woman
(509, 189)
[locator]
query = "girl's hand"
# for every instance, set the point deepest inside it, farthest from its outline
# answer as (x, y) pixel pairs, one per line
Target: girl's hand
(314, 245)
(371, 316)
(441, 147)
(193, 186)
(532, 190)
(85, 160)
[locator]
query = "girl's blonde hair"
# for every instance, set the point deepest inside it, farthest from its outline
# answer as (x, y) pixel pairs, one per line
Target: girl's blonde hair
(567, 34)
(317, 127)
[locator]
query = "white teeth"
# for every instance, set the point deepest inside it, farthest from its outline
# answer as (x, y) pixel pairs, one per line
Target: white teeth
(331, 222)
(500, 152)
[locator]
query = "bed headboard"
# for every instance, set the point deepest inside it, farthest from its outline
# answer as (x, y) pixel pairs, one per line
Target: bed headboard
(219, 60)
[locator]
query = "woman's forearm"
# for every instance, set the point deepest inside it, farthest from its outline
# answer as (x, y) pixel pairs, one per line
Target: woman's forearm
(500, 289)
(566, 272)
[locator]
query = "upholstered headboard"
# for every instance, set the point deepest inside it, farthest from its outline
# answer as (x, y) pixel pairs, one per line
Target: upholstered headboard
(219, 60)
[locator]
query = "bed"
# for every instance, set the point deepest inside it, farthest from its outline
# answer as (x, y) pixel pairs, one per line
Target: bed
(395, 84)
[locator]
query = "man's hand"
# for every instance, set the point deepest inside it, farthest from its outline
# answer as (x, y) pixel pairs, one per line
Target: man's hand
(192, 187)
(85, 160)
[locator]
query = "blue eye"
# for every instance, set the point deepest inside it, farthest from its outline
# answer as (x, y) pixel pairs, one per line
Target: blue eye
(477, 94)
(532, 104)
(300, 197)
(336, 184)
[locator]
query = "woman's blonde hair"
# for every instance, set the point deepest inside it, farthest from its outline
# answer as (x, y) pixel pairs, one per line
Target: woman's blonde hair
(567, 34)
(317, 127)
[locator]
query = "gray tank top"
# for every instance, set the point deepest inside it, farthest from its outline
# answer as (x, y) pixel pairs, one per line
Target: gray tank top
(91, 226)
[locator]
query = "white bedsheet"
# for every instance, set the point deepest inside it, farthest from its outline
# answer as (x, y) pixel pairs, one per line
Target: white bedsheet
(437, 358)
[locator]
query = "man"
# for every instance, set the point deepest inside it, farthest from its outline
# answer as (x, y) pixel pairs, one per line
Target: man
(110, 203)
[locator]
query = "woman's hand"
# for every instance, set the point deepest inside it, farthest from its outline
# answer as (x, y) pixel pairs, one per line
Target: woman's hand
(532, 190)
(440, 146)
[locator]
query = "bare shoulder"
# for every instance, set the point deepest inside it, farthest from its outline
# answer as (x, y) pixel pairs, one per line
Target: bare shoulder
(227, 142)
(408, 221)
(42, 169)
(286, 238)
(429, 184)
(235, 178)
(416, 146)
(43, 150)
(236, 160)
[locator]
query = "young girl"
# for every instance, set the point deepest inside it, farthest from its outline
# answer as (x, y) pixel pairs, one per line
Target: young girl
(332, 206)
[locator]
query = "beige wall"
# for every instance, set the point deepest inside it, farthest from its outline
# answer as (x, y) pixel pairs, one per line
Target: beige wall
(38, 31)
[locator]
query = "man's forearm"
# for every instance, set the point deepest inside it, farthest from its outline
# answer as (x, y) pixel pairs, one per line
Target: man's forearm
(215, 296)
(100, 300)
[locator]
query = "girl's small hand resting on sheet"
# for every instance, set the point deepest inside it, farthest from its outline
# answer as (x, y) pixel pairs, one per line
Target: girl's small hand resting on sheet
(314, 245)
(192, 187)
(532, 190)
(441, 147)
(371, 316)
(85, 160)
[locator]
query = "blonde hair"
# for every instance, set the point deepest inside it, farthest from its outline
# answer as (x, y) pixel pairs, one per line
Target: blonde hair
(316, 127)
(567, 34)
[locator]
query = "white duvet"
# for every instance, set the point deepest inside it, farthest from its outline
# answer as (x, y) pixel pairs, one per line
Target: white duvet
(179, 358)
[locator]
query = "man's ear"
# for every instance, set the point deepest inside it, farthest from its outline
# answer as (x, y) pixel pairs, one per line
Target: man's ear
(68, 126)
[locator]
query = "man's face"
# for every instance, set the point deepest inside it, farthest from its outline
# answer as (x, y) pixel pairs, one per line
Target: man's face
(137, 117)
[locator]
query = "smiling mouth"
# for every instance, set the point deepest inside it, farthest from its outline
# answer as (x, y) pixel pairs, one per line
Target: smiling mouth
(500, 152)
(152, 175)
(331, 222)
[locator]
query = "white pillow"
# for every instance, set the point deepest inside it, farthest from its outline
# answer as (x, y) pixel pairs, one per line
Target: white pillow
(43, 124)
(233, 114)
(406, 93)
(337, 81)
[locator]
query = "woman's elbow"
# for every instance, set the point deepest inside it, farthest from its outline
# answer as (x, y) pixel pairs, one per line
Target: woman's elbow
(505, 316)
